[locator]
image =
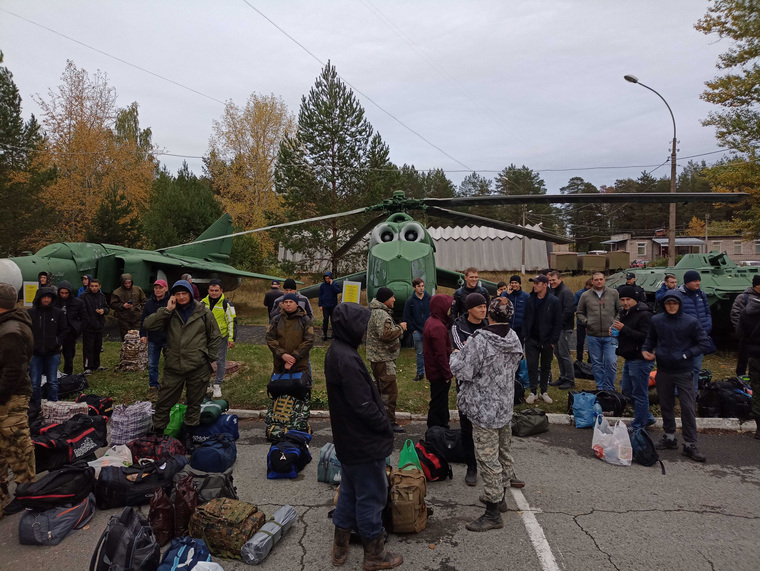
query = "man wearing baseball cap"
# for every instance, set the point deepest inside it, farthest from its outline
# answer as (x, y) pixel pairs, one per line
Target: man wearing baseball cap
(156, 340)
(542, 326)
(630, 281)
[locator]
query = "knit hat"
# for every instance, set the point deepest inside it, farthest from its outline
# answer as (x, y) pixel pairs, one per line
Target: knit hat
(516, 278)
(627, 291)
(756, 280)
(180, 285)
(290, 296)
(275, 283)
(290, 283)
(384, 294)
(498, 311)
(8, 296)
(474, 300)
(161, 283)
(691, 276)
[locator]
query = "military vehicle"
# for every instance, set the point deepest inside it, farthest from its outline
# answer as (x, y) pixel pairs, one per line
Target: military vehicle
(71, 260)
(722, 280)
(400, 248)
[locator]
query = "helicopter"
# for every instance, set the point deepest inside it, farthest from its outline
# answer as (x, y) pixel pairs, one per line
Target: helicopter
(401, 249)
(71, 260)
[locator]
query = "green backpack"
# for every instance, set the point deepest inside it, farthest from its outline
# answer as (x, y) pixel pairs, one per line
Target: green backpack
(225, 525)
(287, 413)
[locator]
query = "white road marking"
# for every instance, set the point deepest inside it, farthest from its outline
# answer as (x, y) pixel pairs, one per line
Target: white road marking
(535, 532)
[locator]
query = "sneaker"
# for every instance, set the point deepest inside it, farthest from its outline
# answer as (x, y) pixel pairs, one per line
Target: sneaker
(547, 398)
(567, 385)
(690, 451)
(210, 387)
(217, 391)
(397, 428)
(88, 371)
(666, 443)
(531, 398)
(471, 478)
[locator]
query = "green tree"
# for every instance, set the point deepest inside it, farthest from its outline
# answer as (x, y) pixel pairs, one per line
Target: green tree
(114, 221)
(323, 169)
(516, 181)
(475, 185)
(587, 223)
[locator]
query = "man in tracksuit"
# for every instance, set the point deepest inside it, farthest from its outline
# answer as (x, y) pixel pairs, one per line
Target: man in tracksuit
(675, 340)
(562, 350)
(597, 309)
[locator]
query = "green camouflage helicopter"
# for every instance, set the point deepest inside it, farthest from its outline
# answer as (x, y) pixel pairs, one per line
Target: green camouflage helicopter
(400, 248)
(71, 260)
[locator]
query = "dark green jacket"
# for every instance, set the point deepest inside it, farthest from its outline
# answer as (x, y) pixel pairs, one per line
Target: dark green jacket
(189, 345)
(292, 334)
(16, 346)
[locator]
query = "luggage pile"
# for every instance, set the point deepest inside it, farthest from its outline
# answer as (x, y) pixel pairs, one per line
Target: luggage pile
(729, 398)
(134, 354)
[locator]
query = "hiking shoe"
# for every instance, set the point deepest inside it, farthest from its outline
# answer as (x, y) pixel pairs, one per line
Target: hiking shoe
(471, 478)
(397, 428)
(690, 451)
(515, 483)
(88, 371)
(666, 443)
(531, 398)
(217, 391)
(547, 398)
(566, 386)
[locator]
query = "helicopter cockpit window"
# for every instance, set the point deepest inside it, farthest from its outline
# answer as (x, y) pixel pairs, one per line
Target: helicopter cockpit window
(412, 232)
(383, 233)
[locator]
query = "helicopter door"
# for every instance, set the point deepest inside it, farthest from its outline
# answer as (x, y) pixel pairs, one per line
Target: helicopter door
(108, 272)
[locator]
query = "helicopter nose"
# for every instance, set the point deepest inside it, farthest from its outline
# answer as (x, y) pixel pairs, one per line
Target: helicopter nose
(10, 273)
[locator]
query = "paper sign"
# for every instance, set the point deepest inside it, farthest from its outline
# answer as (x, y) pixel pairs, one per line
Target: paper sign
(352, 291)
(30, 290)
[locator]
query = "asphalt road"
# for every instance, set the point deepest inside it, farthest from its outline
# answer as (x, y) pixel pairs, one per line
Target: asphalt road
(591, 515)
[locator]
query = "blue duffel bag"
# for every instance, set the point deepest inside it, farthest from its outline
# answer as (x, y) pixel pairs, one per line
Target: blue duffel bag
(225, 424)
(217, 454)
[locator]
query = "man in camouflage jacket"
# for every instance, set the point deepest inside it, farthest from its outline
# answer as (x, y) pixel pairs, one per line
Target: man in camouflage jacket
(383, 346)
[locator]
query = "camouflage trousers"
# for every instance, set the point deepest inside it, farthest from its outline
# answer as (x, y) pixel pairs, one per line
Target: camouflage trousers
(16, 447)
(385, 379)
(495, 462)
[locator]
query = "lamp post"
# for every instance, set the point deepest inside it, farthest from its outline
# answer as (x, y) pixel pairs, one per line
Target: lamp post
(672, 211)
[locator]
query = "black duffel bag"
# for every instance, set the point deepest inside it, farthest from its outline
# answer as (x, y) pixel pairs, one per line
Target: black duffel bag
(292, 383)
(76, 439)
(68, 385)
(120, 486)
(529, 422)
(709, 402)
(447, 442)
(612, 402)
(583, 370)
(68, 485)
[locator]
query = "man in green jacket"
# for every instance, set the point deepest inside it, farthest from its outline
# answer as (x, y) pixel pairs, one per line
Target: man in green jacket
(192, 343)
(224, 313)
(127, 303)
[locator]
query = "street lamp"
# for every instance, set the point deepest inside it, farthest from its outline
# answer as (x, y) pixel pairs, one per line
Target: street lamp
(672, 211)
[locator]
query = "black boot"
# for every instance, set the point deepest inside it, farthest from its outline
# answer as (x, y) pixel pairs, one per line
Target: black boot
(471, 478)
(503, 508)
(489, 520)
(377, 557)
(340, 546)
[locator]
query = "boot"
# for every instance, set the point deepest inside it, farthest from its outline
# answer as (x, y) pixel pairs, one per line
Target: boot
(377, 557)
(340, 546)
(489, 520)
(503, 508)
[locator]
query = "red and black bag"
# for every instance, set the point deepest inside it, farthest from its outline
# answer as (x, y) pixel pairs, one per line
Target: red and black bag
(68, 485)
(155, 447)
(97, 406)
(434, 465)
(76, 439)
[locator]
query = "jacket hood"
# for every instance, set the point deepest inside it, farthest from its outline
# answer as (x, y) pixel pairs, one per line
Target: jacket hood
(327, 275)
(673, 294)
(505, 340)
(440, 305)
(181, 284)
(125, 277)
(16, 314)
(41, 292)
(753, 306)
(65, 285)
(350, 322)
(374, 304)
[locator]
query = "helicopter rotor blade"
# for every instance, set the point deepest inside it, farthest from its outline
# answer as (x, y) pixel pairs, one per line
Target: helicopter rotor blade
(356, 238)
(592, 198)
(271, 227)
(498, 224)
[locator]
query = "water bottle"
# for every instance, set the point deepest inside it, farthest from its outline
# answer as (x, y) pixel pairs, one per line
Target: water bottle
(597, 411)
(615, 333)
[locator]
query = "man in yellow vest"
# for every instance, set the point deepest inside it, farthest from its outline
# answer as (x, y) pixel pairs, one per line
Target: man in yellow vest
(224, 313)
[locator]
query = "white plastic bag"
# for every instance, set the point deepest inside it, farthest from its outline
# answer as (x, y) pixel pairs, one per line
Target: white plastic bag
(613, 446)
(115, 456)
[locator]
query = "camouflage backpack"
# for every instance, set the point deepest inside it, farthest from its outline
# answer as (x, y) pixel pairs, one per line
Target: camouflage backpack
(225, 525)
(287, 413)
(134, 354)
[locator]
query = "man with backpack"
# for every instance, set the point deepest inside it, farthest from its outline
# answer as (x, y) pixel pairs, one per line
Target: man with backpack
(224, 313)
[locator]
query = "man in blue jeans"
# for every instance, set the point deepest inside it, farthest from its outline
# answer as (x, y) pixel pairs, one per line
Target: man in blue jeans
(597, 310)
(416, 313)
(156, 340)
(633, 326)
(48, 328)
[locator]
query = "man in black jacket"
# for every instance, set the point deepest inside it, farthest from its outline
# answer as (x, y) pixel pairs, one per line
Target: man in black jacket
(633, 325)
(471, 285)
(70, 305)
(562, 350)
(48, 327)
(96, 309)
(156, 340)
(363, 439)
(630, 281)
(541, 327)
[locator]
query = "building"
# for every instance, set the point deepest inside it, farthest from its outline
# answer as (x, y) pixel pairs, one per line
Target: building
(649, 248)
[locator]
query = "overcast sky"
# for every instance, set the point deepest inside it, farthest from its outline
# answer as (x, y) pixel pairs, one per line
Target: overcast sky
(489, 83)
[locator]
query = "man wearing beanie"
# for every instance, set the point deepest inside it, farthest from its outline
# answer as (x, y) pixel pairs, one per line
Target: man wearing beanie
(303, 302)
(471, 280)
(290, 337)
(694, 302)
(16, 346)
(633, 326)
(329, 290)
(518, 297)
(736, 310)
(192, 343)
(542, 327)
(383, 347)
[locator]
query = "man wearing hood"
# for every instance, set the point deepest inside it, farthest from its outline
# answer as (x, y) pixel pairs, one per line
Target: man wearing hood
(85, 284)
(328, 299)
(436, 343)
(48, 328)
(192, 343)
(290, 337)
(363, 439)
(676, 340)
(383, 347)
(127, 303)
(156, 340)
(45, 279)
(303, 302)
(748, 331)
(73, 308)
(16, 347)
(416, 313)
(486, 368)
(694, 302)
(95, 310)
(740, 302)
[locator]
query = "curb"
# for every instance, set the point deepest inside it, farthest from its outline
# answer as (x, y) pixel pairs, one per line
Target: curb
(725, 424)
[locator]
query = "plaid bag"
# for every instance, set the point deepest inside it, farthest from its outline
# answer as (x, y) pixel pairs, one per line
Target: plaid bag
(130, 422)
(59, 412)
